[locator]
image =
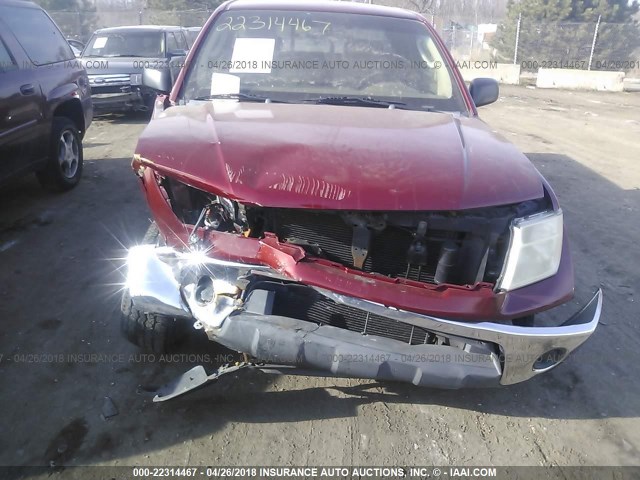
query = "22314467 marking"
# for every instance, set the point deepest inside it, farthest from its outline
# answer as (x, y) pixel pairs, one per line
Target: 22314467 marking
(257, 22)
(168, 472)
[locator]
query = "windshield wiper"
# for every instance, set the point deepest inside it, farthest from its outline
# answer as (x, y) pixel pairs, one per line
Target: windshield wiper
(247, 97)
(356, 102)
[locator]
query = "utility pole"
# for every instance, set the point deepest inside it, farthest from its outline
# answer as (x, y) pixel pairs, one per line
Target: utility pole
(593, 43)
(515, 50)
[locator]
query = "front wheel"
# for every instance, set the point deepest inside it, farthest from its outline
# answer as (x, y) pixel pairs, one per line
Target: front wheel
(149, 331)
(64, 164)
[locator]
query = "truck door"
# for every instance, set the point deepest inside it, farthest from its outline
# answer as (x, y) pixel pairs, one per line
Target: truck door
(20, 114)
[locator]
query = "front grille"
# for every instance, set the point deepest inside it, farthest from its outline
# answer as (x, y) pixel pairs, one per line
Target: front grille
(110, 80)
(388, 248)
(304, 303)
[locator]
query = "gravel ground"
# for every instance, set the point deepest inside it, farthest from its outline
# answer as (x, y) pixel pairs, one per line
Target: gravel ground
(59, 303)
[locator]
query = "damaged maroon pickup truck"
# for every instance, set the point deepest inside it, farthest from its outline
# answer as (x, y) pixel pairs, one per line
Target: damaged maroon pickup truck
(327, 199)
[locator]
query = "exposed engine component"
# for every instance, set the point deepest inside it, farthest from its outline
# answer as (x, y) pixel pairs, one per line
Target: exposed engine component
(404, 244)
(202, 209)
(447, 262)
(460, 248)
(219, 217)
(417, 254)
(360, 244)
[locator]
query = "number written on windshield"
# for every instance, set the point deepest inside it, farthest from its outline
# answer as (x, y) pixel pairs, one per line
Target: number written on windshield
(257, 22)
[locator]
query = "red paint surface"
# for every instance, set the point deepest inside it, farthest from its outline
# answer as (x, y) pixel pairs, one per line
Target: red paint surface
(338, 157)
(348, 158)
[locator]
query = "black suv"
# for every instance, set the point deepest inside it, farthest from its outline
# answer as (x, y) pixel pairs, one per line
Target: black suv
(45, 99)
(116, 57)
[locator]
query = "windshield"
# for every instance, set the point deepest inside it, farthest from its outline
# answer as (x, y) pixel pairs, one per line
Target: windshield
(126, 44)
(337, 58)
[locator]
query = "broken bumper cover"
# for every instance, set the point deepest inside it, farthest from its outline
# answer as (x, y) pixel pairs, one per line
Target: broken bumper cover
(165, 281)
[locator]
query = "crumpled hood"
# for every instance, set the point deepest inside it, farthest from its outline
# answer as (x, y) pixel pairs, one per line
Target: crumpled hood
(338, 157)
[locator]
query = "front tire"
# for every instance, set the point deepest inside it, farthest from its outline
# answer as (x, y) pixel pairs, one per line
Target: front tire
(64, 164)
(152, 332)
(149, 331)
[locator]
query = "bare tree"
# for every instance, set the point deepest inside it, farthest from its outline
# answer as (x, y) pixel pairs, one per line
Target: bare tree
(423, 6)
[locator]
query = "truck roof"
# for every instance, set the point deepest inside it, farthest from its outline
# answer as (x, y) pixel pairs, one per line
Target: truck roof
(322, 6)
(138, 28)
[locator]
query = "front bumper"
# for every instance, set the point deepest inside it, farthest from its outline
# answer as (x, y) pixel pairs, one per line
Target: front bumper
(131, 98)
(165, 281)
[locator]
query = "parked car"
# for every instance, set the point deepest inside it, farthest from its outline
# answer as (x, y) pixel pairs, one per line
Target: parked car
(76, 46)
(45, 101)
(326, 197)
(115, 58)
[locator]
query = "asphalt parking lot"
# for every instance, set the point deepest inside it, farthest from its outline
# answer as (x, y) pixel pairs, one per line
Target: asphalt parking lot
(61, 352)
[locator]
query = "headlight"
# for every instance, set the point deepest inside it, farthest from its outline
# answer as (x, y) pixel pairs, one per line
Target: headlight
(534, 251)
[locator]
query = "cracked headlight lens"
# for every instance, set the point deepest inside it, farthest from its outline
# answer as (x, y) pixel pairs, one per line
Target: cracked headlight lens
(534, 251)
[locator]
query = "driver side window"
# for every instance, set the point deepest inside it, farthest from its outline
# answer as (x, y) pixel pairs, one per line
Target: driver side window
(181, 41)
(172, 43)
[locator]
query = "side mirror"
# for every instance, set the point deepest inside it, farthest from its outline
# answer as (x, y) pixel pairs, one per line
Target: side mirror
(158, 80)
(484, 91)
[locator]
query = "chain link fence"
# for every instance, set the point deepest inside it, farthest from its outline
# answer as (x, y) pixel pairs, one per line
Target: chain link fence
(588, 46)
(532, 45)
